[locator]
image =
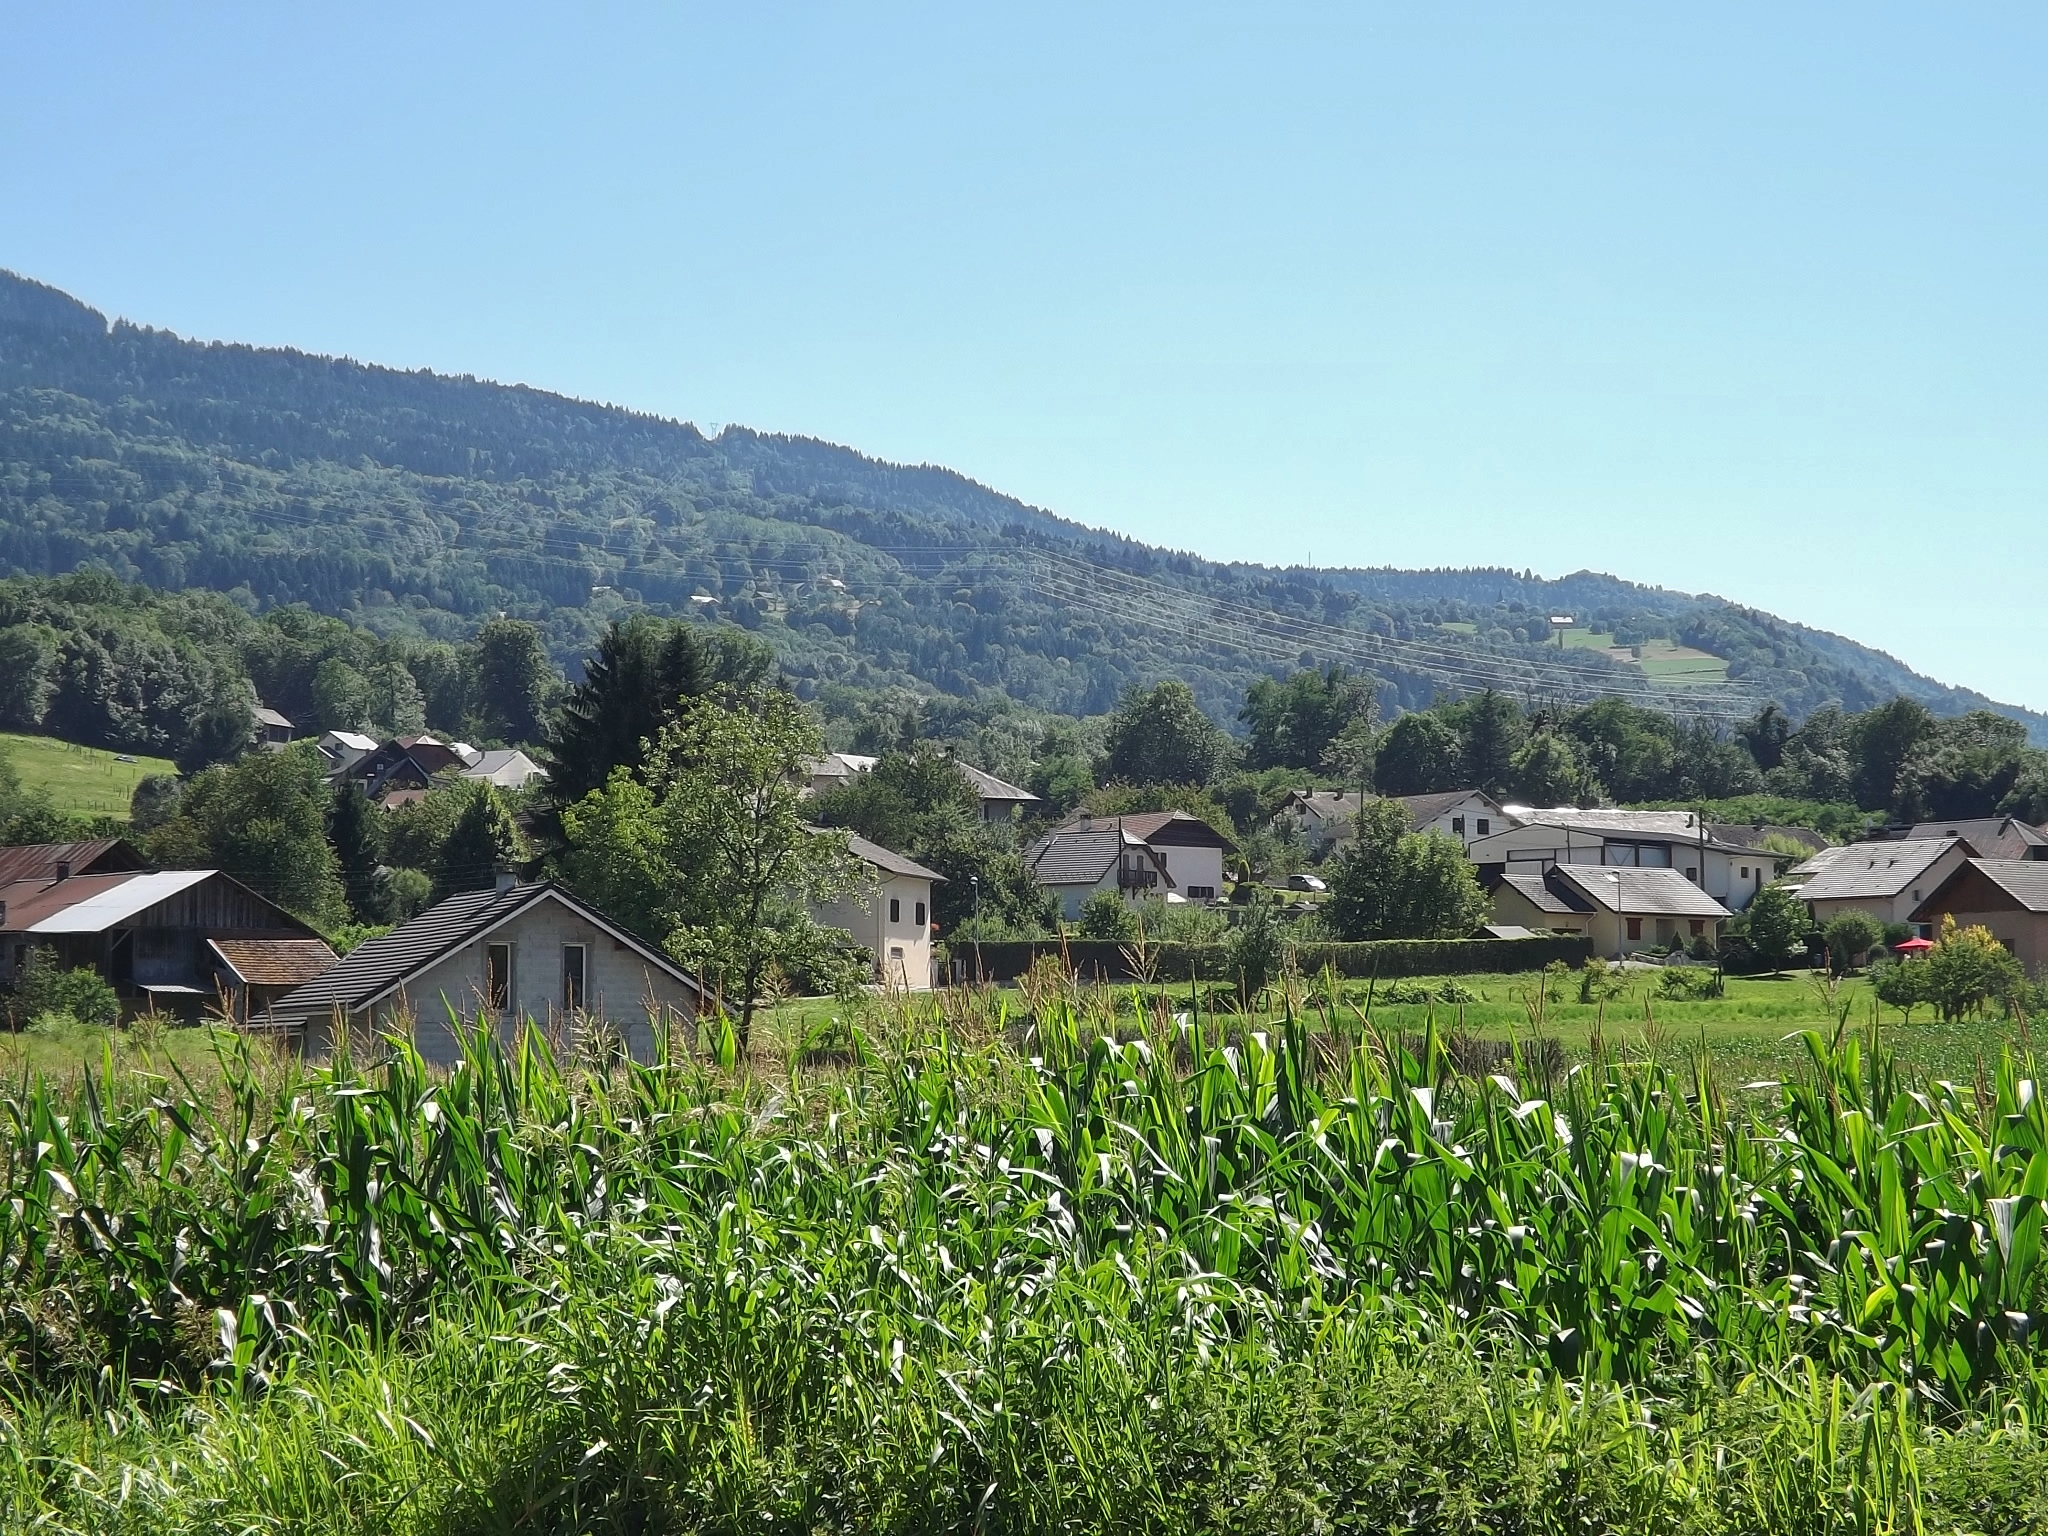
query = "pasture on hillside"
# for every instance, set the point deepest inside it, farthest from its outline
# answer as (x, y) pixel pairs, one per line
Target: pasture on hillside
(83, 781)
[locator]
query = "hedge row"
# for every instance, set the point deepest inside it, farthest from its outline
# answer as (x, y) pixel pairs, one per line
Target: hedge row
(1106, 960)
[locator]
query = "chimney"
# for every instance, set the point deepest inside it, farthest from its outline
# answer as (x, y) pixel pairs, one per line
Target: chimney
(506, 880)
(63, 869)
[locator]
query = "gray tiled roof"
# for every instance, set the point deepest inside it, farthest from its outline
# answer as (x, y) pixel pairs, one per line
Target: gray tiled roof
(1640, 892)
(1870, 869)
(989, 787)
(889, 862)
(1076, 857)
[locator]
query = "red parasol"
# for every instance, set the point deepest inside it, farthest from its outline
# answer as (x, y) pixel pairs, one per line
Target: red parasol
(1913, 946)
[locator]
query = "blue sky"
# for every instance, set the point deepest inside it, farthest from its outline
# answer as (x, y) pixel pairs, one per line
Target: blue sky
(1724, 299)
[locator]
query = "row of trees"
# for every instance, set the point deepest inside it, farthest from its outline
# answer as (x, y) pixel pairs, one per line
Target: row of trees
(1898, 760)
(103, 663)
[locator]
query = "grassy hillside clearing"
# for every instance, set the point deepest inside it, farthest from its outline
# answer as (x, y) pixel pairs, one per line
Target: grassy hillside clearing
(84, 781)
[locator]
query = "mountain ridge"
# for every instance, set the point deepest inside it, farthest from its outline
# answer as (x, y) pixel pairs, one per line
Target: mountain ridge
(414, 500)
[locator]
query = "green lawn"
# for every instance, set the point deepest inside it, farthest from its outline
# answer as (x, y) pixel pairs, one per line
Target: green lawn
(85, 781)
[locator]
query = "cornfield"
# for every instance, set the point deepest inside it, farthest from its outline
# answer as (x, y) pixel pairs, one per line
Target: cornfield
(1192, 1276)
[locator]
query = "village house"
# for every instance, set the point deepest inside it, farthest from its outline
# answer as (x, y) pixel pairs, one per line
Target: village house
(1173, 855)
(1993, 837)
(1621, 909)
(890, 915)
(1328, 817)
(1889, 880)
(514, 953)
(156, 937)
(1535, 840)
(1095, 855)
(2008, 896)
(1000, 801)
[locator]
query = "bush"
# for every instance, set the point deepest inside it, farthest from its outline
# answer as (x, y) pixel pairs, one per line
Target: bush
(1688, 983)
(43, 988)
(1600, 982)
(1106, 916)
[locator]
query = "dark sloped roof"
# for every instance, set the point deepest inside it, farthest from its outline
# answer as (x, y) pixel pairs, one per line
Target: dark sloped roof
(1075, 857)
(381, 965)
(1539, 893)
(39, 861)
(1994, 837)
(1639, 892)
(890, 862)
(1175, 828)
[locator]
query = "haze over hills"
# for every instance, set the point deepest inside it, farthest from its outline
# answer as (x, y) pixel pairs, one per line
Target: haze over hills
(424, 503)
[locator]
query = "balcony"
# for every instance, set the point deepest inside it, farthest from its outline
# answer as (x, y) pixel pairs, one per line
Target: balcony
(1128, 879)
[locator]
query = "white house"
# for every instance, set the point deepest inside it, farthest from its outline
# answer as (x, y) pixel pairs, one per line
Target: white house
(1169, 854)
(891, 915)
(1889, 880)
(1076, 862)
(506, 955)
(1534, 840)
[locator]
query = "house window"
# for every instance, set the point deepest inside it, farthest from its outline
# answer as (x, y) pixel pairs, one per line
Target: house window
(895, 910)
(1485, 825)
(1745, 871)
(1458, 825)
(1201, 893)
(1635, 928)
(1692, 873)
(498, 977)
(1697, 927)
(920, 914)
(574, 960)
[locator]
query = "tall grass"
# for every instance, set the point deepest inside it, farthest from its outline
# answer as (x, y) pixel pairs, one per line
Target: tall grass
(1196, 1278)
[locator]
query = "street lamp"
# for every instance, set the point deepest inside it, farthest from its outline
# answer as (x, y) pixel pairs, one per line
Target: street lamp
(975, 881)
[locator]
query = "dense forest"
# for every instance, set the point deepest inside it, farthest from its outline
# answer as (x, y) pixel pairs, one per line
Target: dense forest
(418, 507)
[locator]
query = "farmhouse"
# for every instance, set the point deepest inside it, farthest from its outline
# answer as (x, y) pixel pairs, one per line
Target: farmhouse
(2008, 896)
(500, 956)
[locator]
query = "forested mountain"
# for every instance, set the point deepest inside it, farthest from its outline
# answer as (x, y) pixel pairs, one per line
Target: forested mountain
(419, 506)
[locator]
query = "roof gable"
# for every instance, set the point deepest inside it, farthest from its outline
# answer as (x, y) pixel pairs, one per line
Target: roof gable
(97, 856)
(1872, 869)
(2001, 884)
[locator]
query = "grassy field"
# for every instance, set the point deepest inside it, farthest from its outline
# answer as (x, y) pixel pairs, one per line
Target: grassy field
(1749, 1036)
(83, 780)
(1682, 664)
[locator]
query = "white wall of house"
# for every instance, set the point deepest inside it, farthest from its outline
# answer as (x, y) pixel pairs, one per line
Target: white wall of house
(1197, 872)
(893, 920)
(622, 988)
(1469, 820)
